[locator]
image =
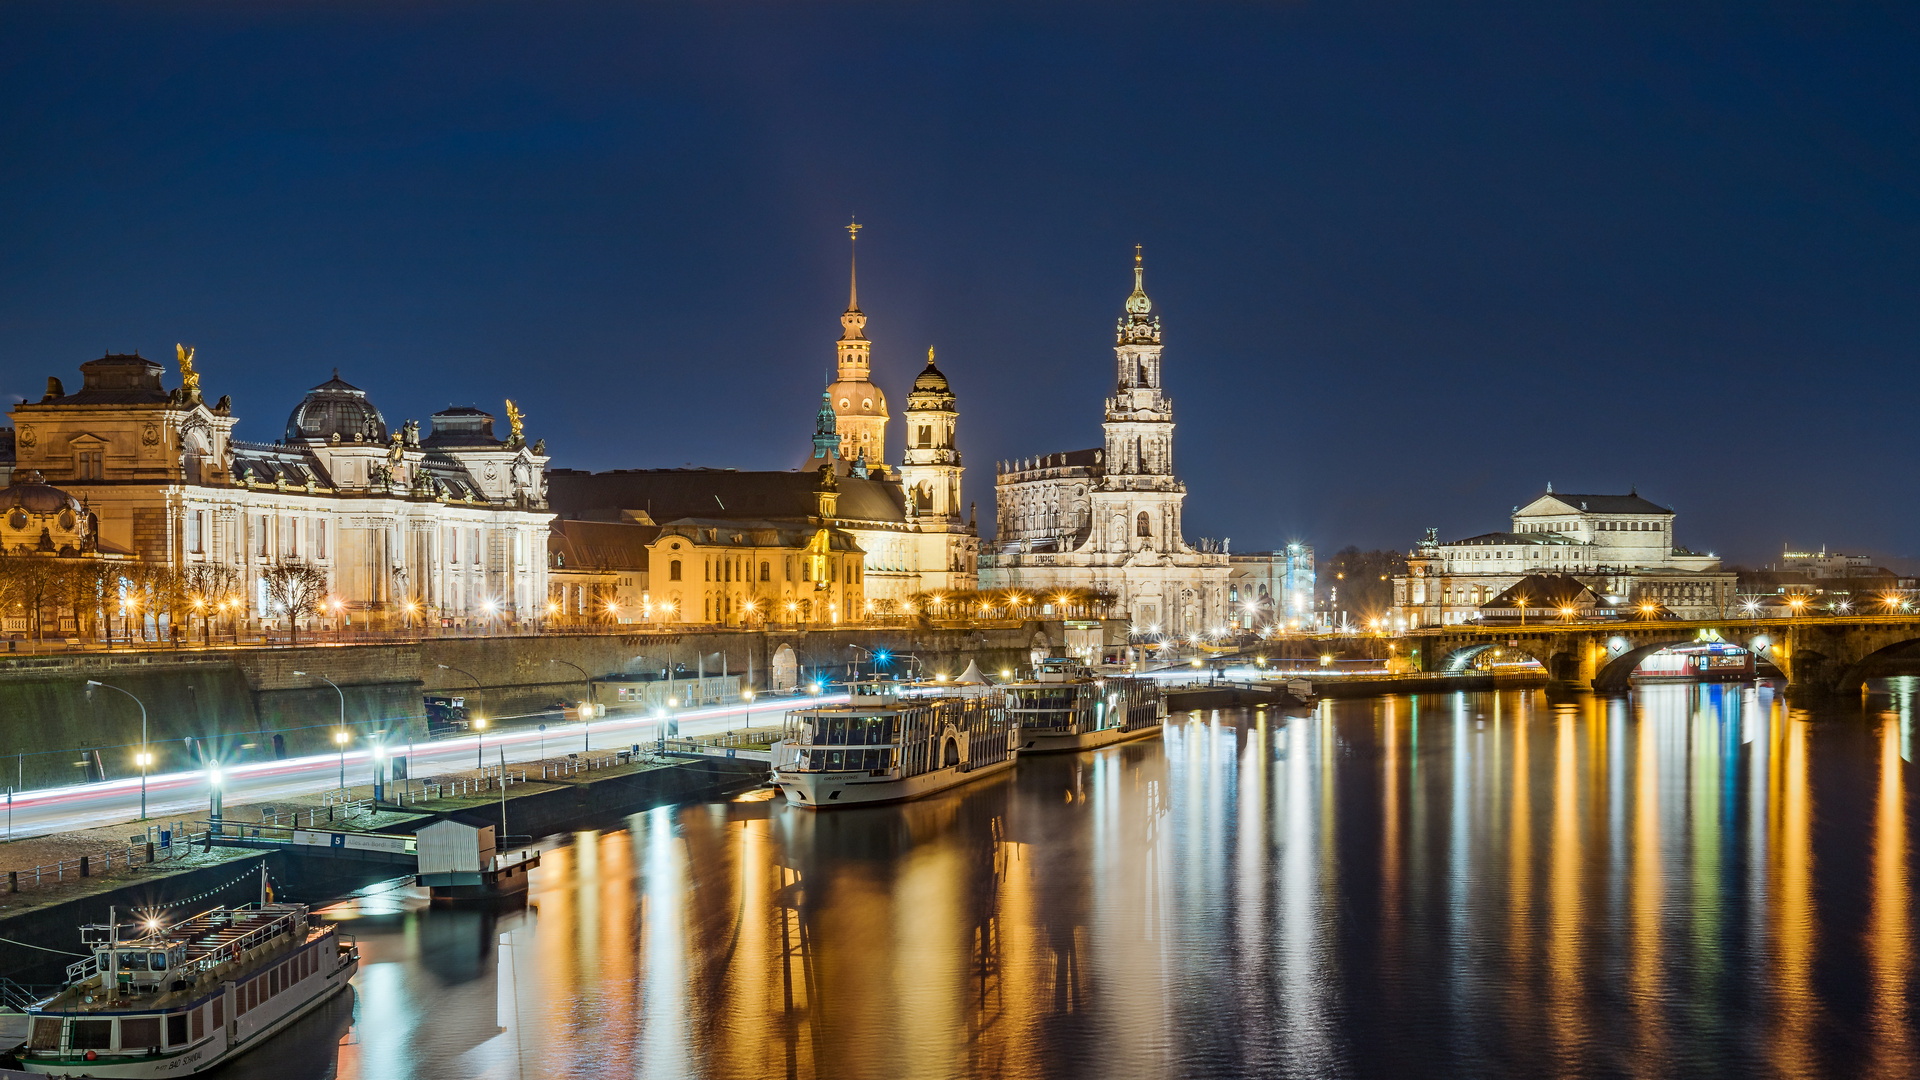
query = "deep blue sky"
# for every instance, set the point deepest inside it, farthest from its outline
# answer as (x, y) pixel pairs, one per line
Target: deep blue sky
(1413, 261)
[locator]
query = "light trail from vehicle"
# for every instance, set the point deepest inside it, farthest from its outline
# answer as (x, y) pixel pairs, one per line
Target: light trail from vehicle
(184, 795)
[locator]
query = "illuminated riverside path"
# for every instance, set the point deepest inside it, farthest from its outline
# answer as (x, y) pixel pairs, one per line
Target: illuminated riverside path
(1697, 881)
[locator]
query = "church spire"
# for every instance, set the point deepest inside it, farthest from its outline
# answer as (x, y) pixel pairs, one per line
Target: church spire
(853, 324)
(1138, 304)
(853, 265)
(1139, 326)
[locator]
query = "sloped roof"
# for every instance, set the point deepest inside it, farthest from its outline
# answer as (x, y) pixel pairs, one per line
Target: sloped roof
(599, 545)
(1630, 503)
(1495, 539)
(1546, 591)
(719, 494)
(750, 533)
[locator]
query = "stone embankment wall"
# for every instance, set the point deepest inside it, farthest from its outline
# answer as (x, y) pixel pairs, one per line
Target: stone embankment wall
(247, 703)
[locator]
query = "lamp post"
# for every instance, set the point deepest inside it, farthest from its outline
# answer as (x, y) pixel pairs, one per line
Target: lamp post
(340, 735)
(479, 742)
(479, 722)
(144, 757)
(214, 803)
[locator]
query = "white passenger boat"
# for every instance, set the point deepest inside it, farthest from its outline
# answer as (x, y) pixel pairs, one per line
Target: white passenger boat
(1065, 708)
(885, 745)
(166, 1000)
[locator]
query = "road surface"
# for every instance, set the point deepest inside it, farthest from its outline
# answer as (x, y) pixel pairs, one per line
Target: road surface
(184, 795)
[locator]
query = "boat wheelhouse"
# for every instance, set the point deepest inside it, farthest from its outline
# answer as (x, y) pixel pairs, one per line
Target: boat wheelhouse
(171, 999)
(886, 745)
(1064, 708)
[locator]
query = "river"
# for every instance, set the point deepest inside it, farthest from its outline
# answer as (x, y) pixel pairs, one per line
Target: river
(1698, 881)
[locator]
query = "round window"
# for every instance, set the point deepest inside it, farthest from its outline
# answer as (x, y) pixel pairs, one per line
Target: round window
(866, 403)
(66, 520)
(843, 403)
(17, 519)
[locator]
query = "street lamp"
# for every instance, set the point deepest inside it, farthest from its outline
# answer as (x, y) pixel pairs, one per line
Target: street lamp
(586, 712)
(479, 742)
(144, 757)
(479, 724)
(340, 739)
(340, 736)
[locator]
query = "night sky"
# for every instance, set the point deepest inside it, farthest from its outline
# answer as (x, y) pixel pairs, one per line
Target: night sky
(1413, 263)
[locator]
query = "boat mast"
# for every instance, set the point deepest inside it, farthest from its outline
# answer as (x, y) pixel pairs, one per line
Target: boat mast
(113, 953)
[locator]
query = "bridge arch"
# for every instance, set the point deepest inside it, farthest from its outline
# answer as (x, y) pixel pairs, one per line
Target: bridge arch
(1871, 666)
(1617, 673)
(1462, 658)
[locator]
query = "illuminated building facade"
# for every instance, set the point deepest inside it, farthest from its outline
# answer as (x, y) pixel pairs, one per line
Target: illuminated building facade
(1109, 518)
(1621, 546)
(405, 528)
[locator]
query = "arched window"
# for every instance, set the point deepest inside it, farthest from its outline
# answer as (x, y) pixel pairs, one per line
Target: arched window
(1143, 525)
(765, 573)
(926, 435)
(673, 570)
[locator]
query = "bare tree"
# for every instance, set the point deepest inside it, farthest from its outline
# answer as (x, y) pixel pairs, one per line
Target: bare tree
(83, 587)
(210, 584)
(295, 588)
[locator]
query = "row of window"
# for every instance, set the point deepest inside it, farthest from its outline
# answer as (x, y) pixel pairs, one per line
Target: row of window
(725, 570)
(1601, 526)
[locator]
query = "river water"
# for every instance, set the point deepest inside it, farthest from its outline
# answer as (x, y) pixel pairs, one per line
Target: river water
(1698, 881)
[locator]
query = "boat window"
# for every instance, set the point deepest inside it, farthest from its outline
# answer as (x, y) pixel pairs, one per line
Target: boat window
(219, 1011)
(139, 1032)
(158, 960)
(199, 1024)
(90, 1035)
(133, 961)
(46, 1034)
(177, 1029)
(836, 760)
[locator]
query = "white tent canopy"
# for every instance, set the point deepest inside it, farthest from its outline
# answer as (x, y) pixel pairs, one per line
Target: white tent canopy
(973, 676)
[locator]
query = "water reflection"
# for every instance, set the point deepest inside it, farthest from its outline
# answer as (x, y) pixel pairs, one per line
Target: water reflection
(1699, 881)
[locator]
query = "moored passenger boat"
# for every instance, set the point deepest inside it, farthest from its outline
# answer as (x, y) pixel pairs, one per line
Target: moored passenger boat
(885, 746)
(1065, 708)
(167, 1000)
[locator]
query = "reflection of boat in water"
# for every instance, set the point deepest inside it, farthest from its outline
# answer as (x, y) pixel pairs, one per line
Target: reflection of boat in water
(883, 746)
(1065, 708)
(181, 998)
(1704, 661)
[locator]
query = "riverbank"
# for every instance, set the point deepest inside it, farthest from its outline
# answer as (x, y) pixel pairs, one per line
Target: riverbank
(39, 927)
(256, 703)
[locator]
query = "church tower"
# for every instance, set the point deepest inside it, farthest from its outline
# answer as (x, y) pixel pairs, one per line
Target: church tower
(1139, 427)
(931, 469)
(860, 409)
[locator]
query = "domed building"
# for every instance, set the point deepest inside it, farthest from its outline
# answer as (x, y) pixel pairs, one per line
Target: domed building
(906, 524)
(37, 518)
(449, 528)
(336, 411)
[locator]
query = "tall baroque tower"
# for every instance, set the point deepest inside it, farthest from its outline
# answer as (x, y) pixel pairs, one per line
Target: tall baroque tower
(931, 469)
(1139, 427)
(860, 409)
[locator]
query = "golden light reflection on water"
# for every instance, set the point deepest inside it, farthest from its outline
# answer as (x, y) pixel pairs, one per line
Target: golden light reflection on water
(1461, 885)
(1890, 926)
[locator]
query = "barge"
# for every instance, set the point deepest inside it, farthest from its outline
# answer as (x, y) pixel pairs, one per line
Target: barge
(1064, 708)
(160, 999)
(886, 746)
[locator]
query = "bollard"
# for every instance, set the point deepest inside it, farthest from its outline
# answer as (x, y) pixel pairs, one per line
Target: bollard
(13, 881)
(149, 852)
(83, 865)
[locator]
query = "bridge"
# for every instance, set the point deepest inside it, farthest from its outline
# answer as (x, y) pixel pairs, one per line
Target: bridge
(1828, 653)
